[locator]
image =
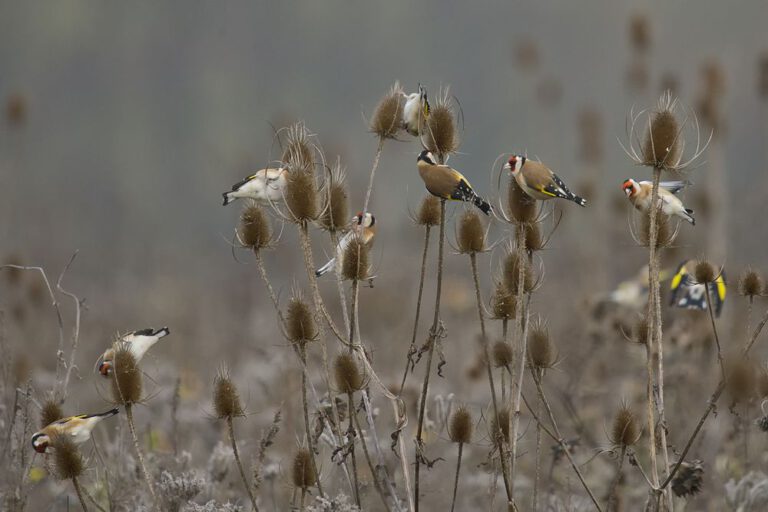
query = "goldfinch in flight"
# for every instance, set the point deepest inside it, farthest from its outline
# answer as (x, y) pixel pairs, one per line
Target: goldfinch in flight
(447, 183)
(639, 194)
(138, 342)
(77, 428)
(415, 111)
(265, 187)
(688, 294)
(538, 181)
(366, 229)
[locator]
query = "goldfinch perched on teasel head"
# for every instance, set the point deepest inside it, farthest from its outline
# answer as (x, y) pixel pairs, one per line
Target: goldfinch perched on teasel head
(416, 111)
(688, 294)
(77, 428)
(138, 342)
(639, 194)
(538, 181)
(364, 228)
(447, 183)
(265, 187)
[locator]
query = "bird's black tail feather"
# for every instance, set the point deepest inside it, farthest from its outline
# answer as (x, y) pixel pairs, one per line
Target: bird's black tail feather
(578, 200)
(482, 204)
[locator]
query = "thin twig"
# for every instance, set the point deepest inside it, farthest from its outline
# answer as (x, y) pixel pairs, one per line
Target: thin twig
(139, 454)
(456, 480)
(233, 441)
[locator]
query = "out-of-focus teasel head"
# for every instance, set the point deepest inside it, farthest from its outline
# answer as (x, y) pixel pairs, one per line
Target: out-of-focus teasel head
(639, 32)
(625, 430)
(751, 284)
(441, 134)
(335, 210)
(526, 55)
(502, 354)
(590, 131)
(762, 76)
(254, 231)
(16, 110)
(348, 376)
(688, 479)
(542, 353)
(460, 430)
(741, 379)
(470, 238)
(226, 399)
(387, 119)
(303, 473)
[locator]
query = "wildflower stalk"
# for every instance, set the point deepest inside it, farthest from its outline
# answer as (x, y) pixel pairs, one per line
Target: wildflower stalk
(456, 479)
(351, 403)
(535, 501)
(615, 483)
(79, 492)
(376, 482)
(375, 166)
(714, 330)
(139, 453)
(236, 453)
(305, 407)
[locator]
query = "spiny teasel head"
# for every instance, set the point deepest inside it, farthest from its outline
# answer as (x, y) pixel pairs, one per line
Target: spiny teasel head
(503, 303)
(740, 379)
(254, 231)
(500, 427)
(300, 325)
(16, 110)
(704, 272)
(511, 274)
(347, 374)
(663, 145)
(301, 198)
(533, 239)
(665, 234)
(751, 284)
(688, 479)
(625, 430)
(460, 430)
(440, 134)
(429, 211)
(471, 236)
(355, 265)
(640, 331)
(302, 471)
(126, 376)
(502, 354)
(387, 118)
(522, 207)
(298, 153)
(67, 461)
(50, 412)
(335, 211)
(226, 399)
(541, 351)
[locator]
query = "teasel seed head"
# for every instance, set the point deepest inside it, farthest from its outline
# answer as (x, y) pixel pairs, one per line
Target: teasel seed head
(16, 110)
(226, 399)
(471, 236)
(688, 479)
(541, 351)
(429, 211)
(500, 427)
(460, 429)
(335, 216)
(625, 430)
(50, 412)
(512, 264)
(126, 376)
(640, 331)
(254, 231)
(533, 239)
(387, 119)
(300, 324)
(663, 144)
(298, 154)
(503, 303)
(502, 354)
(440, 135)
(355, 265)
(741, 379)
(67, 461)
(704, 272)
(302, 470)
(301, 196)
(751, 284)
(665, 233)
(522, 207)
(348, 376)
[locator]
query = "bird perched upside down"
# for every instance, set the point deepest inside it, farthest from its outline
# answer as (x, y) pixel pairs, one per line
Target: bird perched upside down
(77, 428)
(138, 342)
(266, 187)
(538, 181)
(447, 183)
(364, 228)
(416, 111)
(639, 194)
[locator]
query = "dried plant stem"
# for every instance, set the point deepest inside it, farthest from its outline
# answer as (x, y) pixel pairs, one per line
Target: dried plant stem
(139, 454)
(236, 453)
(340, 285)
(412, 348)
(75, 329)
(268, 284)
(373, 172)
(615, 484)
(351, 434)
(305, 407)
(376, 482)
(503, 371)
(489, 369)
(79, 492)
(93, 500)
(456, 479)
(714, 330)
(433, 340)
(536, 478)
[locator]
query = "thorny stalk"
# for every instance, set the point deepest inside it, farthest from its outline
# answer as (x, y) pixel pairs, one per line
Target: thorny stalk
(374, 473)
(79, 492)
(456, 479)
(714, 330)
(538, 453)
(351, 434)
(615, 483)
(139, 453)
(233, 441)
(305, 409)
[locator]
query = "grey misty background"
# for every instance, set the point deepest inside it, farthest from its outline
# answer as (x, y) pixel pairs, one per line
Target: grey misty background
(141, 113)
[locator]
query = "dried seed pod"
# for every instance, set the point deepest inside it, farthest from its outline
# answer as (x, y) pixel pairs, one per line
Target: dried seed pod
(512, 265)
(704, 272)
(429, 211)
(335, 215)
(302, 470)
(254, 230)
(751, 284)
(502, 354)
(662, 145)
(503, 303)
(500, 427)
(298, 154)
(300, 324)
(665, 233)
(440, 135)
(471, 236)
(541, 351)
(50, 412)
(348, 376)
(476, 370)
(533, 239)
(355, 264)
(522, 207)
(640, 331)
(301, 196)
(67, 461)
(226, 399)
(741, 379)
(126, 376)
(460, 430)
(688, 479)
(639, 32)
(625, 430)
(388, 117)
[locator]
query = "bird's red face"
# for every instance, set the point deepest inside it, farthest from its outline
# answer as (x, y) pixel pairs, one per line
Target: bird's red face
(514, 163)
(105, 368)
(629, 187)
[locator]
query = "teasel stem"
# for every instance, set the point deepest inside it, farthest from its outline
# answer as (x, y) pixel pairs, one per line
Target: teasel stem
(139, 454)
(236, 453)
(340, 285)
(615, 483)
(79, 493)
(373, 172)
(305, 406)
(502, 371)
(456, 479)
(537, 474)
(412, 348)
(714, 330)
(434, 333)
(371, 466)
(303, 497)
(351, 403)
(489, 369)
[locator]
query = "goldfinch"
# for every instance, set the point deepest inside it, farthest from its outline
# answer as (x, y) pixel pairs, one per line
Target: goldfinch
(77, 428)
(265, 186)
(639, 194)
(538, 181)
(688, 294)
(415, 111)
(447, 183)
(363, 228)
(138, 342)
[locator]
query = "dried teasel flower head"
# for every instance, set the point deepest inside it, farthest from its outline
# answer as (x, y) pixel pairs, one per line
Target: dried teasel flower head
(126, 376)
(254, 231)
(541, 351)
(503, 303)
(355, 265)
(740, 379)
(665, 234)
(16, 110)
(298, 154)
(460, 429)
(704, 272)
(533, 239)
(640, 331)
(688, 479)
(625, 430)
(513, 266)
(300, 325)
(335, 212)
(440, 134)
(522, 207)
(429, 211)
(663, 144)
(471, 236)
(502, 354)
(67, 461)
(477, 370)
(387, 118)
(50, 412)
(301, 197)
(347, 373)
(639, 32)
(500, 427)
(226, 399)
(751, 284)
(302, 471)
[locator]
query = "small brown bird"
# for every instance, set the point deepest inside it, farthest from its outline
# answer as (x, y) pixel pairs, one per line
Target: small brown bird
(77, 428)
(365, 228)
(538, 181)
(640, 192)
(447, 183)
